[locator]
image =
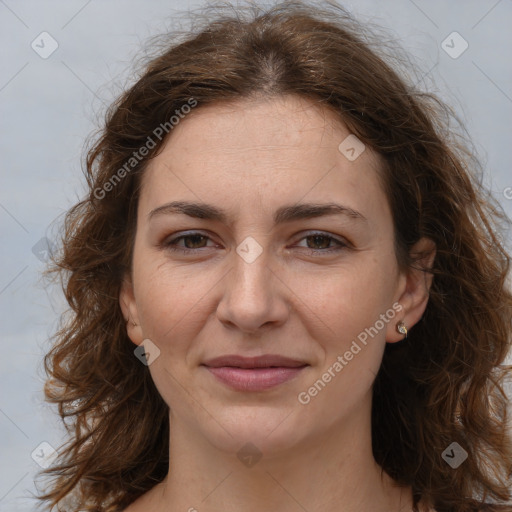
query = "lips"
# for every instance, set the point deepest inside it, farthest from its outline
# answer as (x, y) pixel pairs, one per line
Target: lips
(254, 373)
(265, 361)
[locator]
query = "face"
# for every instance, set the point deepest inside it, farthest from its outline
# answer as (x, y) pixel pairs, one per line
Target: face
(254, 272)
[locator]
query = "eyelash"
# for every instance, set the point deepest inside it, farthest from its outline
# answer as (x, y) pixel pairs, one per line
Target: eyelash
(171, 244)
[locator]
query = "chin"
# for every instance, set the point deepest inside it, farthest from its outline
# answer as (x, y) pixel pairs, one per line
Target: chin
(268, 430)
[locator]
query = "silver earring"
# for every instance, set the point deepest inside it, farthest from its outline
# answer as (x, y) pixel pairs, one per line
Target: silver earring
(400, 327)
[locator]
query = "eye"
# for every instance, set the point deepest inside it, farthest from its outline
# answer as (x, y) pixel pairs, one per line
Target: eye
(317, 243)
(191, 242)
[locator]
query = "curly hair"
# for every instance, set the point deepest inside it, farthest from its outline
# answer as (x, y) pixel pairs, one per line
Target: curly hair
(446, 384)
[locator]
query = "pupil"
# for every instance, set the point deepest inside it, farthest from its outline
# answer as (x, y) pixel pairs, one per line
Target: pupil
(193, 237)
(317, 240)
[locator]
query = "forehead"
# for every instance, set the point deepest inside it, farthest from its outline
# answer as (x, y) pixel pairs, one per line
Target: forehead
(262, 152)
(284, 124)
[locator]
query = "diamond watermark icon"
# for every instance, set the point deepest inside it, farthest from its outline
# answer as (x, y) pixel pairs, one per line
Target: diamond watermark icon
(147, 352)
(249, 455)
(249, 249)
(454, 45)
(454, 455)
(44, 45)
(351, 147)
(44, 454)
(42, 249)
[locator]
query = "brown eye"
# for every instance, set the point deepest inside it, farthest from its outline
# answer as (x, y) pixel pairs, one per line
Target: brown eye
(322, 243)
(197, 241)
(191, 242)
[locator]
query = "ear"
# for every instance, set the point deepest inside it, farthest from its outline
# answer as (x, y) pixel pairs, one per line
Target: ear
(413, 289)
(130, 311)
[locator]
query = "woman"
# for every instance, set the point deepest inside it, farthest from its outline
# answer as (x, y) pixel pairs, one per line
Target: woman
(287, 289)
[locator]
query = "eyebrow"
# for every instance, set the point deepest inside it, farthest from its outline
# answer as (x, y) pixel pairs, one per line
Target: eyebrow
(284, 214)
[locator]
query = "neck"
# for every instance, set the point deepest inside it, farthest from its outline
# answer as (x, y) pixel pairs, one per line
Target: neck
(332, 472)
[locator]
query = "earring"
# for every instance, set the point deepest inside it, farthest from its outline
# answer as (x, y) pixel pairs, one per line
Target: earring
(400, 327)
(133, 323)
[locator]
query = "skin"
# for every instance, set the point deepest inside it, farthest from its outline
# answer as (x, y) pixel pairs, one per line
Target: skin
(250, 158)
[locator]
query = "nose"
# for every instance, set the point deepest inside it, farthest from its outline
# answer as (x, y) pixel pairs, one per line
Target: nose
(254, 296)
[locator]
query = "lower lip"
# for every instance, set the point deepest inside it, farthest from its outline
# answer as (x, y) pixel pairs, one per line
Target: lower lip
(254, 379)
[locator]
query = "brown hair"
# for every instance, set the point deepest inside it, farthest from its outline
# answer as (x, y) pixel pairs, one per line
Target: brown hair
(444, 385)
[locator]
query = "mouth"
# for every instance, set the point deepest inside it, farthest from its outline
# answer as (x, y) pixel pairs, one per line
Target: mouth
(254, 373)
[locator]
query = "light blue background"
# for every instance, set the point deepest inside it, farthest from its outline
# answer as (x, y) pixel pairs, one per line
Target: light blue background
(49, 106)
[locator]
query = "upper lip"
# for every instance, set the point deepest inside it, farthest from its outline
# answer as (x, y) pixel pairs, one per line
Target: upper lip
(264, 361)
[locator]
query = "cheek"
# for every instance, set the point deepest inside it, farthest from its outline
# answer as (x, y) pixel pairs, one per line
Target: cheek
(170, 298)
(351, 337)
(171, 309)
(349, 299)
